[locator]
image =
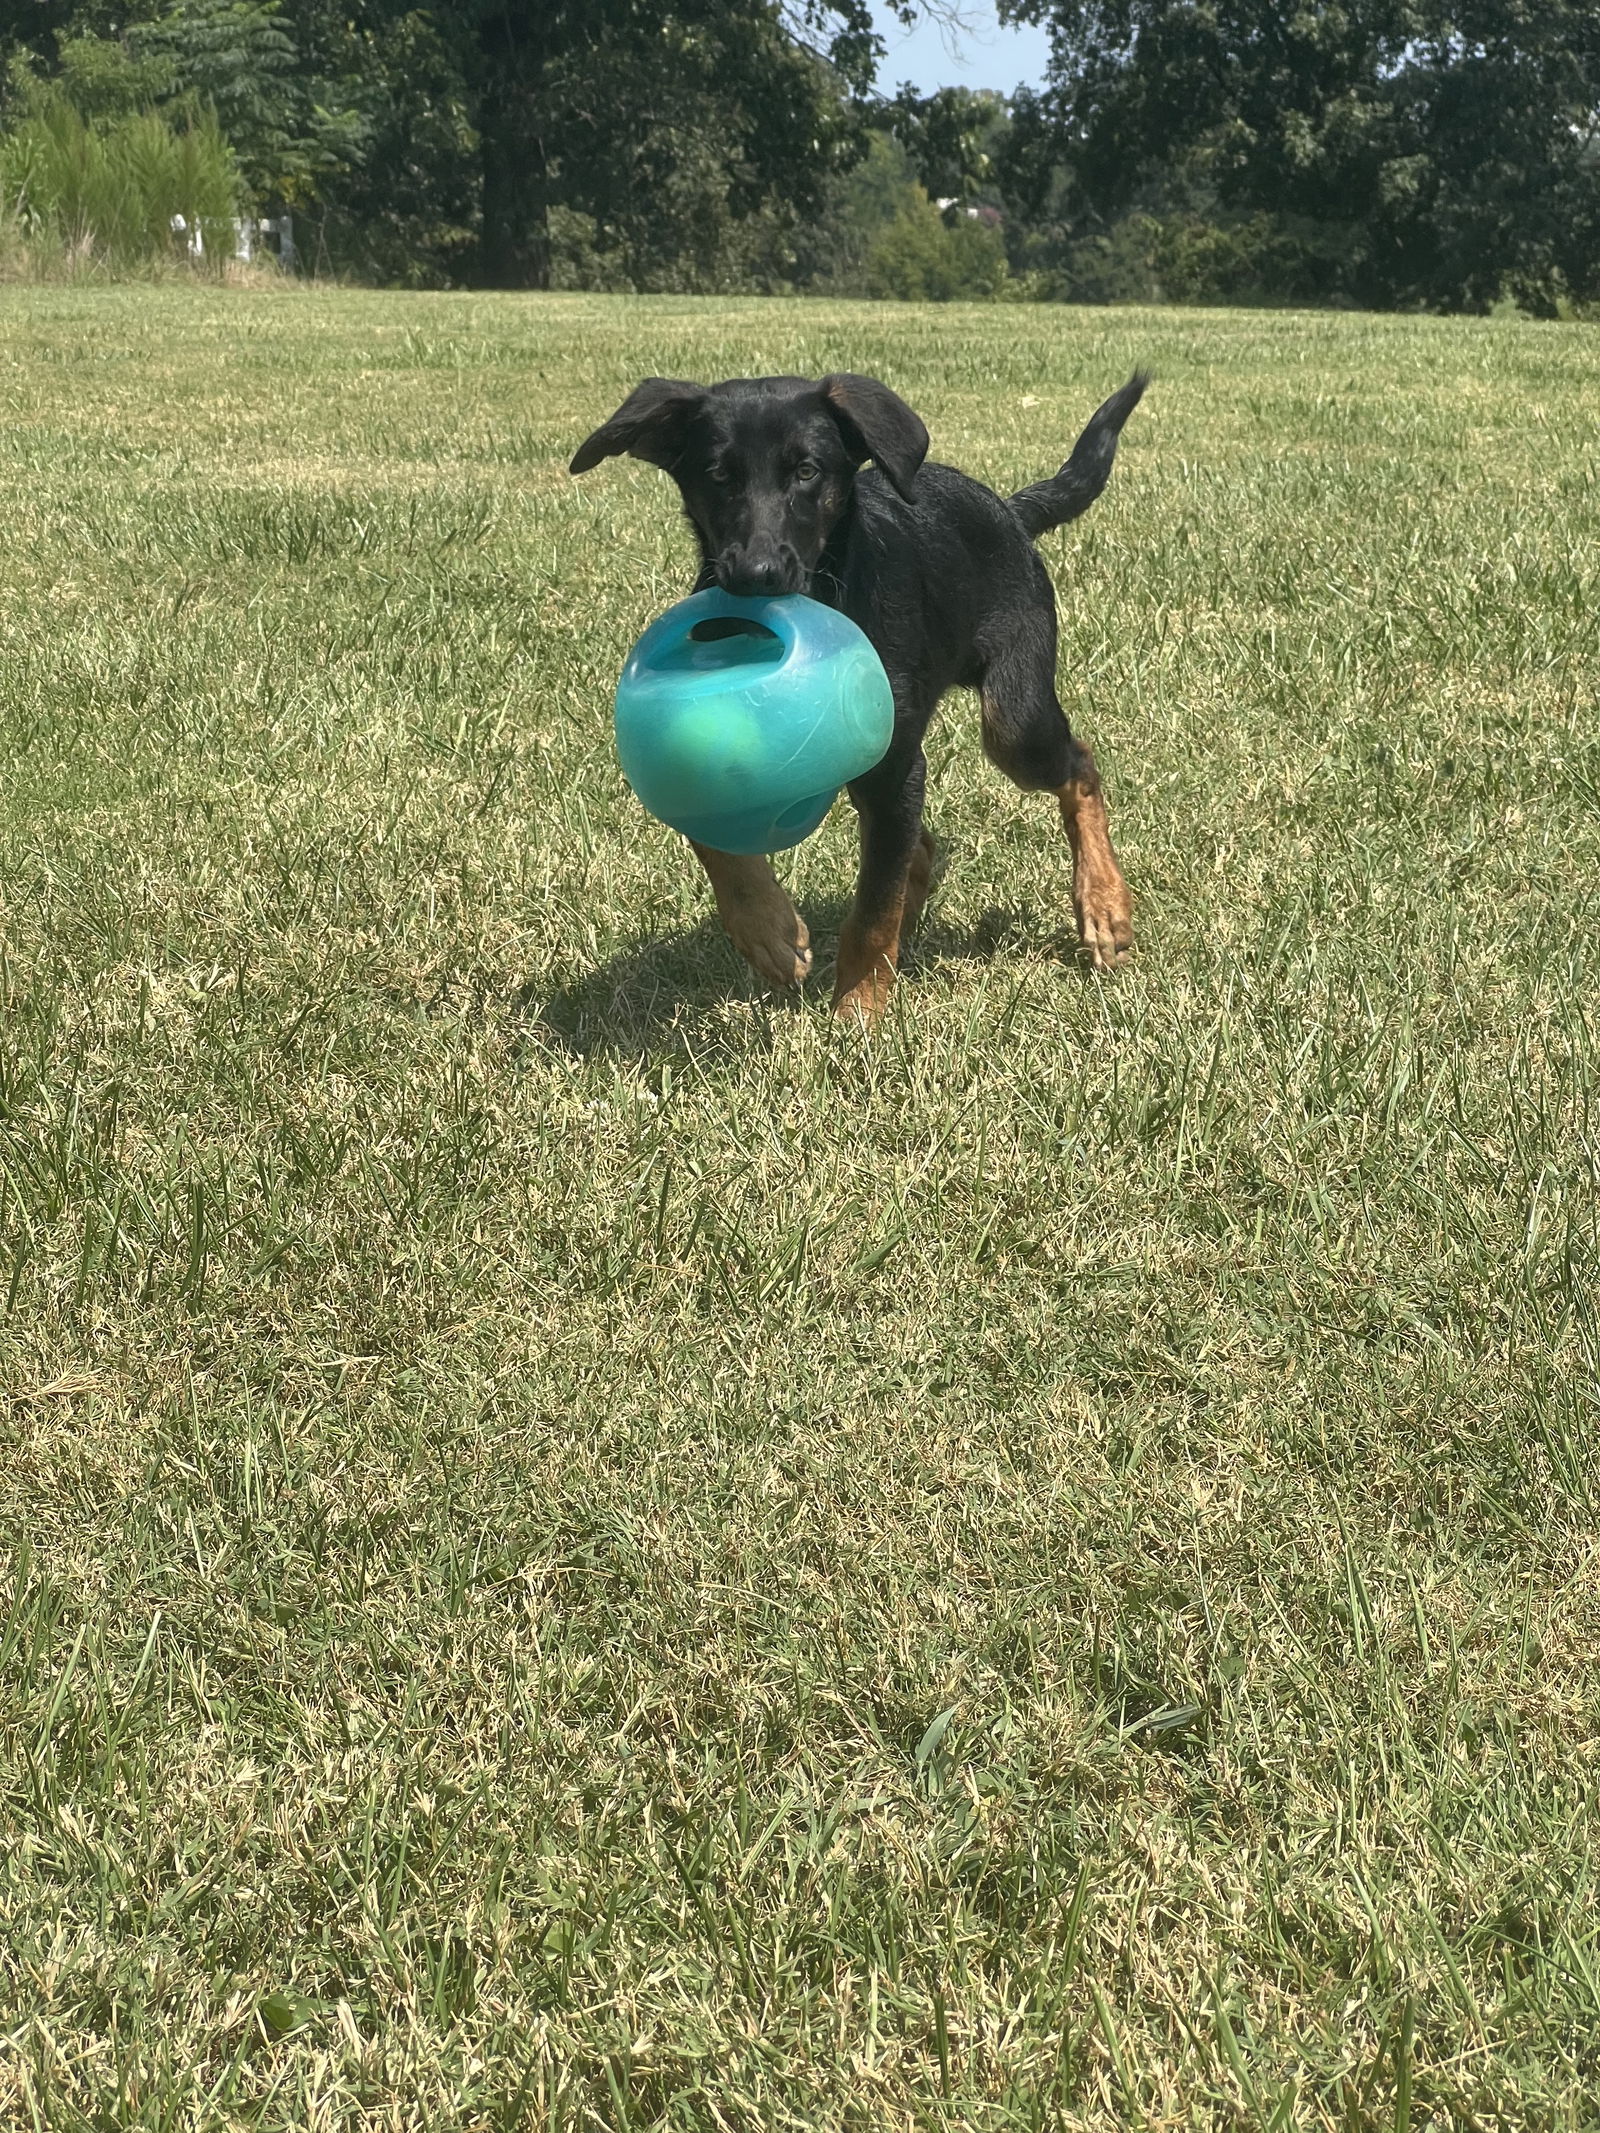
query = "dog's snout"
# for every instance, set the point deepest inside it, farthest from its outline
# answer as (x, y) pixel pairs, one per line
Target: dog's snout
(755, 573)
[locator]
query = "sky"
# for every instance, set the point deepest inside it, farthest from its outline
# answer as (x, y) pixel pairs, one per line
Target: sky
(986, 57)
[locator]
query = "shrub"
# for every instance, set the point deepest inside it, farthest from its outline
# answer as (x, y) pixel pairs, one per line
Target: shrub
(921, 258)
(108, 189)
(1248, 259)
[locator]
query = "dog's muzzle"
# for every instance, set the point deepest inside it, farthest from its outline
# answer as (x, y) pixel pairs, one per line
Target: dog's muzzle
(758, 574)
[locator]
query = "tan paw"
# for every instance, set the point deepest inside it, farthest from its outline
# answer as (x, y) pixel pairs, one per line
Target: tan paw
(866, 1002)
(771, 936)
(1104, 912)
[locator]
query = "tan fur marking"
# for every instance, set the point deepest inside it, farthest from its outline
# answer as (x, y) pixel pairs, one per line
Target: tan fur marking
(757, 915)
(869, 952)
(1100, 898)
(868, 957)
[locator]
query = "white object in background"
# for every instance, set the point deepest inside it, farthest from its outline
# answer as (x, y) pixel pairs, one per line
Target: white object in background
(247, 235)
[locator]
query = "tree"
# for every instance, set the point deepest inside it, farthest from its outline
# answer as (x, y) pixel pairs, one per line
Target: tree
(922, 258)
(651, 143)
(601, 106)
(1383, 151)
(1492, 183)
(290, 127)
(951, 139)
(245, 64)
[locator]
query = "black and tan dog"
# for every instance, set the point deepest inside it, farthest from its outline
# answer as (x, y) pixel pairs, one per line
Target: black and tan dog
(941, 574)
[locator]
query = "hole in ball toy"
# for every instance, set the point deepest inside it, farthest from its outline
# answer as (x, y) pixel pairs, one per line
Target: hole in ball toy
(793, 817)
(721, 643)
(717, 627)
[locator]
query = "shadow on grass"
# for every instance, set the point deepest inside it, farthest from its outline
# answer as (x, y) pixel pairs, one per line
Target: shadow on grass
(669, 993)
(672, 993)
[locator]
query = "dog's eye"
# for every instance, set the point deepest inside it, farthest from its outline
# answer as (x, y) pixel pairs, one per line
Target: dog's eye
(807, 470)
(720, 476)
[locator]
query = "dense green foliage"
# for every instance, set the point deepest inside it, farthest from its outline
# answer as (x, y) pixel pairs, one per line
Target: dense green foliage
(95, 177)
(583, 140)
(1387, 152)
(582, 1548)
(1384, 153)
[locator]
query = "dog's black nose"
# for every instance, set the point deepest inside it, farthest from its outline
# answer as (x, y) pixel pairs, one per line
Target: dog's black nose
(754, 576)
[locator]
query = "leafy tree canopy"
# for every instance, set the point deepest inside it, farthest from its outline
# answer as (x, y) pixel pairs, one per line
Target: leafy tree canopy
(1438, 153)
(1419, 153)
(464, 136)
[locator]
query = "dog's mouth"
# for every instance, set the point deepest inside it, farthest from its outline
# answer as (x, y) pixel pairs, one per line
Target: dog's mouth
(767, 579)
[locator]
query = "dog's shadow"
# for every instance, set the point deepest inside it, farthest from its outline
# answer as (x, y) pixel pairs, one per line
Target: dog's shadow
(674, 991)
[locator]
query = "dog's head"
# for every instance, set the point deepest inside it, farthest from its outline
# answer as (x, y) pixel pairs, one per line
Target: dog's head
(766, 466)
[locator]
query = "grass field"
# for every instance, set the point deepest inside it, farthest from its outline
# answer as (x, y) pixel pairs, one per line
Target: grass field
(589, 1549)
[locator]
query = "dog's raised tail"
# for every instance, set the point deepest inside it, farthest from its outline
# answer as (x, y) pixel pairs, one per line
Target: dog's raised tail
(1074, 486)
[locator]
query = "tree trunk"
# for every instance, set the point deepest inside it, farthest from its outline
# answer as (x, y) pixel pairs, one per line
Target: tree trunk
(515, 246)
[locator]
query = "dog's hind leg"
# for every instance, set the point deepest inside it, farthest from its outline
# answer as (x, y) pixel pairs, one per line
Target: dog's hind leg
(757, 915)
(1101, 901)
(1026, 736)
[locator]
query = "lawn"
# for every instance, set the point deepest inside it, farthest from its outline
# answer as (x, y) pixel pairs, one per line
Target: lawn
(587, 1548)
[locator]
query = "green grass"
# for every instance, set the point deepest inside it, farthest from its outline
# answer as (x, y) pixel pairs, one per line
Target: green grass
(592, 1550)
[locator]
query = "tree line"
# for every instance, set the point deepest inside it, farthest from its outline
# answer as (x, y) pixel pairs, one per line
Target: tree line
(1374, 152)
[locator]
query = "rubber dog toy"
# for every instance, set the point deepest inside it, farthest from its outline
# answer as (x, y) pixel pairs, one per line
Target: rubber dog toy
(738, 721)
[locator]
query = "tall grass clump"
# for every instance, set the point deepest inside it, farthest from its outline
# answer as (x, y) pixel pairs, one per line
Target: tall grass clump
(108, 191)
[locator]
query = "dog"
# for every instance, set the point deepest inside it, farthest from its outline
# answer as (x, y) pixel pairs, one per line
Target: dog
(942, 575)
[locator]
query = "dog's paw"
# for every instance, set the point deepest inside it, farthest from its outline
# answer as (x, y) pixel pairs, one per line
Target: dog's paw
(771, 936)
(1104, 911)
(865, 1003)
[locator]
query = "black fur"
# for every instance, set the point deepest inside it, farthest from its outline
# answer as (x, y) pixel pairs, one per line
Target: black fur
(1070, 491)
(939, 571)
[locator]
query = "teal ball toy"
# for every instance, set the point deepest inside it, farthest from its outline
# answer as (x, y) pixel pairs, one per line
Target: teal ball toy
(739, 720)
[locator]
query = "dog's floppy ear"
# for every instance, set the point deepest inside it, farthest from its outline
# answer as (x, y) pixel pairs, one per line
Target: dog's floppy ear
(648, 424)
(876, 424)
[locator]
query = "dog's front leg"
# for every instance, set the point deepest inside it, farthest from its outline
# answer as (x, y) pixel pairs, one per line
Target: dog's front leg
(757, 916)
(896, 867)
